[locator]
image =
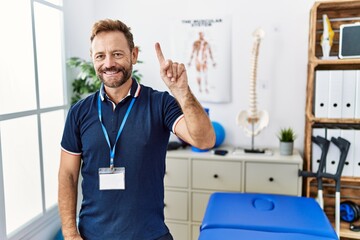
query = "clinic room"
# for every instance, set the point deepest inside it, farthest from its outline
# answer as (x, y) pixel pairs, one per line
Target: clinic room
(180, 120)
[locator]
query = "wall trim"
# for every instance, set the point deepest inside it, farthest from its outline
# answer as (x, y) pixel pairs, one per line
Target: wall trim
(37, 225)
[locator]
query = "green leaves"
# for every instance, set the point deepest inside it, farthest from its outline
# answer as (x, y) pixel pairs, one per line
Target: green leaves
(137, 75)
(86, 81)
(286, 135)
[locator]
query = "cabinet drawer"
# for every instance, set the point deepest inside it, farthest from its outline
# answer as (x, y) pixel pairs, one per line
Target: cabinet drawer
(272, 178)
(178, 230)
(176, 205)
(195, 233)
(176, 173)
(199, 202)
(216, 175)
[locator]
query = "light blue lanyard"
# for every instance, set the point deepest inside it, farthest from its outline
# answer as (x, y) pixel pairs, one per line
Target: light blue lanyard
(112, 150)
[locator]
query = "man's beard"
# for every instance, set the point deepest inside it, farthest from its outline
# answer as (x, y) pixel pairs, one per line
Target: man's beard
(126, 74)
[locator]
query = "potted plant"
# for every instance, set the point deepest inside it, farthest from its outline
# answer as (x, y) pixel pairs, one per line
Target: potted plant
(287, 137)
(86, 81)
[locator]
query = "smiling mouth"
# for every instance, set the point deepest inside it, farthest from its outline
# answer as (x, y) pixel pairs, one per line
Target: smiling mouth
(112, 71)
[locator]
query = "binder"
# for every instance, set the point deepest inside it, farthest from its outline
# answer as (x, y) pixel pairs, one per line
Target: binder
(349, 134)
(357, 154)
(335, 93)
(321, 108)
(357, 95)
(333, 156)
(348, 94)
(316, 150)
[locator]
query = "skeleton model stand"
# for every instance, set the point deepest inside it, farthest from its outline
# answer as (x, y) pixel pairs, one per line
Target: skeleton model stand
(253, 121)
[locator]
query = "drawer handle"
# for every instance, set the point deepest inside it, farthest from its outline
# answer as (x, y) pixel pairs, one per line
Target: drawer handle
(271, 179)
(216, 176)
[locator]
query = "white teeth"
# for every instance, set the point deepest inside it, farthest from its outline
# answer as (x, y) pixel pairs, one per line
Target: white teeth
(108, 72)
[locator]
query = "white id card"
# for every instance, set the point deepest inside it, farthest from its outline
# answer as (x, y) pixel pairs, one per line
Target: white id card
(112, 179)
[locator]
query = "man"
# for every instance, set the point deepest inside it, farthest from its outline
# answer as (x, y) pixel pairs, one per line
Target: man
(202, 51)
(118, 136)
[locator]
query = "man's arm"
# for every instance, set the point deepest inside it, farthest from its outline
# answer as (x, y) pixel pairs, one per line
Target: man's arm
(195, 128)
(67, 195)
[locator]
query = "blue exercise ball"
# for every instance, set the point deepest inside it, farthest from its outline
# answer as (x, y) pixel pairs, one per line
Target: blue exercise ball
(219, 133)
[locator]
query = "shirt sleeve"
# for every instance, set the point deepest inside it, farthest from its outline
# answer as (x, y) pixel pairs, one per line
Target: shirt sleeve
(71, 141)
(173, 112)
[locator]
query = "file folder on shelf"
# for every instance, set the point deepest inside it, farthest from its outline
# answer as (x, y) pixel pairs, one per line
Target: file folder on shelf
(333, 155)
(322, 79)
(348, 94)
(357, 154)
(349, 134)
(335, 94)
(357, 95)
(315, 149)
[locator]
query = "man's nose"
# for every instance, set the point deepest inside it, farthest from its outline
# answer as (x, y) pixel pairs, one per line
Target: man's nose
(109, 61)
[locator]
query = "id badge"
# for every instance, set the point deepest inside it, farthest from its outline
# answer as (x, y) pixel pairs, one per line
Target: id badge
(112, 179)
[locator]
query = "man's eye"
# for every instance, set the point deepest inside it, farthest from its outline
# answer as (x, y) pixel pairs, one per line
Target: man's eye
(99, 57)
(117, 55)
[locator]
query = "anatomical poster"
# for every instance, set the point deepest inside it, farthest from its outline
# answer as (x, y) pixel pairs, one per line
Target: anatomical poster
(204, 46)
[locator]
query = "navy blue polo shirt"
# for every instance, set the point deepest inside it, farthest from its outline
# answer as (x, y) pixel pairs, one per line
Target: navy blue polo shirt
(137, 211)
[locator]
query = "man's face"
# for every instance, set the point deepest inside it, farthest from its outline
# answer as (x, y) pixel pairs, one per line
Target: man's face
(112, 58)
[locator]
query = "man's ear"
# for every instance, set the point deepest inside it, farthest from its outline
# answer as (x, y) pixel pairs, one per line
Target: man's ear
(135, 54)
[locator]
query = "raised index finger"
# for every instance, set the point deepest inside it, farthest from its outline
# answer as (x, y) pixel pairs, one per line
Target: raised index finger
(159, 53)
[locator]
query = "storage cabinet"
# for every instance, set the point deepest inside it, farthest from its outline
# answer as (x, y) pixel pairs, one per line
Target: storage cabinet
(279, 180)
(191, 177)
(326, 119)
(212, 175)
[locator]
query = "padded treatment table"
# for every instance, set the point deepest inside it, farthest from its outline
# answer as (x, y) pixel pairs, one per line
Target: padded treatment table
(253, 216)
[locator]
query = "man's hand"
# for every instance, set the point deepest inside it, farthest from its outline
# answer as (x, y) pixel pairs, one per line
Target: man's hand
(195, 128)
(173, 73)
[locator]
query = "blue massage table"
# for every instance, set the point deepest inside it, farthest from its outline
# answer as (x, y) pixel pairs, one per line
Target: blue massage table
(255, 216)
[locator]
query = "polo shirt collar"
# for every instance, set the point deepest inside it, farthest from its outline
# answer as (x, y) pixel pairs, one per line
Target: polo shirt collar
(133, 91)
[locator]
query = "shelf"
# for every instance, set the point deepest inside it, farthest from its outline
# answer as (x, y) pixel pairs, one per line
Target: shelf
(335, 61)
(341, 121)
(326, 6)
(343, 64)
(345, 232)
(343, 179)
(350, 188)
(347, 183)
(339, 13)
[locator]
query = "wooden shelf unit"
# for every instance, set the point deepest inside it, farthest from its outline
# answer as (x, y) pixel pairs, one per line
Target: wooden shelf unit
(339, 12)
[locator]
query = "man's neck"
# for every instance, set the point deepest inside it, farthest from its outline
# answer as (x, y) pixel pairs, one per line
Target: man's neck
(119, 93)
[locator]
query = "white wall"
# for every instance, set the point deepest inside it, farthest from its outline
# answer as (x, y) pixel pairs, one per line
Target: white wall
(282, 67)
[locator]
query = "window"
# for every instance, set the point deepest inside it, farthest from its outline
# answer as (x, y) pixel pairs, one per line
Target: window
(33, 105)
